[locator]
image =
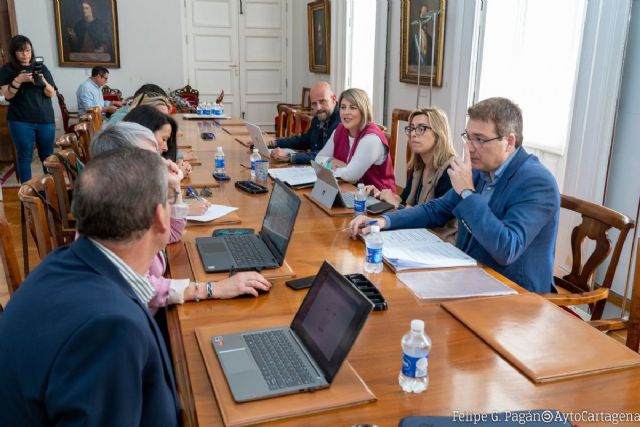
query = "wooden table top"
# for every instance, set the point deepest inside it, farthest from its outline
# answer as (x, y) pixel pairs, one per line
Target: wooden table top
(465, 373)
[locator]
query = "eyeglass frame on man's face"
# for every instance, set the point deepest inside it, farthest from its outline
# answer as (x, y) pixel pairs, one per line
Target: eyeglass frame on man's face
(419, 130)
(173, 197)
(478, 142)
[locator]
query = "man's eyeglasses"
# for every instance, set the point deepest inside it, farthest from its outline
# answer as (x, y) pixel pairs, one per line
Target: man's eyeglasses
(419, 130)
(478, 141)
(172, 196)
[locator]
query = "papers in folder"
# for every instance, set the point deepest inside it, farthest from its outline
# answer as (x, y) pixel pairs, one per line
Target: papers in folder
(294, 175)
(466, 282)
(212, 213)
(419, 248)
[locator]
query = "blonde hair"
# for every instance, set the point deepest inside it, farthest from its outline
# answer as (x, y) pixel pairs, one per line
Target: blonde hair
(360, 99)
(153, 101)
(443, 150)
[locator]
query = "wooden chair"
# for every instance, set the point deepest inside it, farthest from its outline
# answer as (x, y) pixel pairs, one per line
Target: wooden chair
(632, 323)
(63, 168)
(286, 115)
(57, 215)
(189, 94)
(84, 133)
(66, 114)
(68, 141)
(302, 121)
(35, 219)
(96, 113)
(304, 105)
(9, 257)
(596, 222)
(398, 115)
(110, 94)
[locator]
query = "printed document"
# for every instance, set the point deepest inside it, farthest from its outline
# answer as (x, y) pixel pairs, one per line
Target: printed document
(294, 175)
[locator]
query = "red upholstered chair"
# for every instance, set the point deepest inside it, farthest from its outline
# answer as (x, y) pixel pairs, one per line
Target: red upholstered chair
(111, 94)
(66, 114)
(188, 94)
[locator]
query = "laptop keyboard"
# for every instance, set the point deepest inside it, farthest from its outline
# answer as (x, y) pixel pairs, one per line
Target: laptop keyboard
(245, 250)
(349, 198)
(280, 365)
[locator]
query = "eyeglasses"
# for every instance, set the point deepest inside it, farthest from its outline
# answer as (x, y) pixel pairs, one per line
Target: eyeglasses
(478, 141)
(172, 196)
(419, 130)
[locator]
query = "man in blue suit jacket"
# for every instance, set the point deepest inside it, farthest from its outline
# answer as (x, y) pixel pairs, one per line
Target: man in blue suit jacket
(506, 202)
(78, 345)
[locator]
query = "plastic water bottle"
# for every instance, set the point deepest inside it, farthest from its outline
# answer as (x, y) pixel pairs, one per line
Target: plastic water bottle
(200, 109)
(416, 345)
(219, 160)
(359, 201)
(220, 109)
(255, 155)
(373, 258)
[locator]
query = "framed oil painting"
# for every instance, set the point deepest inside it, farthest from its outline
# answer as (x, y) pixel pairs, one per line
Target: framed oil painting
(422, 41)
(87, 33)
(319, 22)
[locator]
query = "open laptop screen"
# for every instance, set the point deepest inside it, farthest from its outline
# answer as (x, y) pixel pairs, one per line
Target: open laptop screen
(330, 319)
(279, 220)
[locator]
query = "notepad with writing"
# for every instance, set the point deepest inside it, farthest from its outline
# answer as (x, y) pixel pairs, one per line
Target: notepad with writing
(540, 339)
(413, 249)
(299, 175)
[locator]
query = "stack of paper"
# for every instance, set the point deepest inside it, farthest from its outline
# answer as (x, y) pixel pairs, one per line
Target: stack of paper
(419, 248)
(213, 212)
(463, 283)
(294, 175)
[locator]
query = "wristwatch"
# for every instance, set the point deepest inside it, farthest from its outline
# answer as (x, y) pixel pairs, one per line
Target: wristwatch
(466, 193)
(290, 157)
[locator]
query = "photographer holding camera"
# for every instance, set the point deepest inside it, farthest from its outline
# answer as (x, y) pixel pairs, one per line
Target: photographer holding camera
(28, 86)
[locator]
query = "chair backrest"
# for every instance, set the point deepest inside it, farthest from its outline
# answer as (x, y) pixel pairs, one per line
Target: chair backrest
(189, 94)
(110, 94)
(35, 215)
(63, 168)
(96, 113)
(84, 132)
(302, 121)
(9, 257)
(305, 100)
(597, 220)
(68, 141)
(633, 324)
(66, 114)
(286, 118)
(398, 115)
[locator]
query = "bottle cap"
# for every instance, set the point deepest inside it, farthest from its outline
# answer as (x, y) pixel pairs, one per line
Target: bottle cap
(417, 325)
(219, 149)
(375, 228)
(255, 151)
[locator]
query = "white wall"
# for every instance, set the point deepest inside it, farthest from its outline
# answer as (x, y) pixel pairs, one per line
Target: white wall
(151, 47)
(302, 77)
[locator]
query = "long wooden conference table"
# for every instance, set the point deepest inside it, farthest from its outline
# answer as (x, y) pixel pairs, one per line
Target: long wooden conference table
(465, 373)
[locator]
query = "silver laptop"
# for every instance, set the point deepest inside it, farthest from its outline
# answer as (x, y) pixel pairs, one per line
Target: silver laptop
(255, 251)
(304, 356)
(326, 190)
(257, 138)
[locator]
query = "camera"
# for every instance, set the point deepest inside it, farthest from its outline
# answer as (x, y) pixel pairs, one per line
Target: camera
(37, 70)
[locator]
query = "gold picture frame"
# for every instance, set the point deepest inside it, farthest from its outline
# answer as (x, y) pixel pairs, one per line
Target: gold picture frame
(319, 28)
(416, 41)
(87, 33)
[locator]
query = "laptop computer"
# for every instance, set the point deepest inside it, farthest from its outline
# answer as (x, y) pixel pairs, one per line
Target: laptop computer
(257, 138)
(326, 190)
(255, 251)
(304, 356)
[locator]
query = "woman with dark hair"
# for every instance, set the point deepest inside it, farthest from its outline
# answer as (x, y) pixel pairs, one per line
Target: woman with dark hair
(30, 113)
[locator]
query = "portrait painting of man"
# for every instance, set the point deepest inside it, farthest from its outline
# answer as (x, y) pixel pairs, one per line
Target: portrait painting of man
(87, 32)
(422, 41)
(319, 30)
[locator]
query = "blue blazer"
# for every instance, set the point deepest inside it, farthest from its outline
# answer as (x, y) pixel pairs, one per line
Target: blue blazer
(515, 233)
(79, 348)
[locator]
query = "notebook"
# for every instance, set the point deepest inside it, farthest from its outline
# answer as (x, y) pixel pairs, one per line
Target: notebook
(326, 190)
(304, 356)
(255, 251)
(258, 141)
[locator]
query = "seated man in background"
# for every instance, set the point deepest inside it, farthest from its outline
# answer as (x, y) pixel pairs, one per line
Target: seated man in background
(95, 355)
(506, 202)
(89, 93)
(325, 120)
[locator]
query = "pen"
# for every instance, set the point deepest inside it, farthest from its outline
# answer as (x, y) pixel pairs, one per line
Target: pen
(365, 225)
(193, 194)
